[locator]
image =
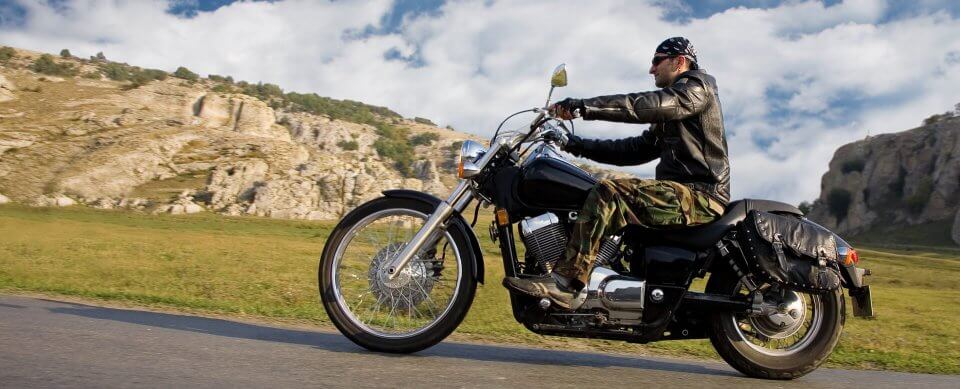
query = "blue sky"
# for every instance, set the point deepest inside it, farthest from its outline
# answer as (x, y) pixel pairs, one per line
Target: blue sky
(797, 78)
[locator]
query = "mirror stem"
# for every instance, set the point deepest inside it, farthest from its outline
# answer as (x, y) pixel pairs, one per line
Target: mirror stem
(549, 95)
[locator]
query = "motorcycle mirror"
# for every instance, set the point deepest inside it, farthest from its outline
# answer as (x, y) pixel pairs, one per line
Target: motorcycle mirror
(559, 78)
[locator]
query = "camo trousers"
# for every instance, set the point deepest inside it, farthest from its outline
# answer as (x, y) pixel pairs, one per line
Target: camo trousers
(613, 204)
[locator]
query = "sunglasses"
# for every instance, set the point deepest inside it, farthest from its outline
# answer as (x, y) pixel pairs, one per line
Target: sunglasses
(656, 60)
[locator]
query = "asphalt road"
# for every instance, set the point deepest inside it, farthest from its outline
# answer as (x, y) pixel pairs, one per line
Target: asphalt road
(46, 343)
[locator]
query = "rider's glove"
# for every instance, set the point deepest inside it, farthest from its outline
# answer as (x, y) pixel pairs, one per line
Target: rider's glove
(568, 108)
(574, 145)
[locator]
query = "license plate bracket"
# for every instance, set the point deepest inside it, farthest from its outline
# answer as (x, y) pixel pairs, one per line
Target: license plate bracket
(862, 302)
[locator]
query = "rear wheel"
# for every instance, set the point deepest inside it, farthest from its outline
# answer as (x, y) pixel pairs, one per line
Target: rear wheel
(411, 312)
(785, 344)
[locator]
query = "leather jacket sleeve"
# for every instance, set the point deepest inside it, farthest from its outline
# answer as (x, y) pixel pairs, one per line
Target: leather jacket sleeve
(685, 98)
(623, 152)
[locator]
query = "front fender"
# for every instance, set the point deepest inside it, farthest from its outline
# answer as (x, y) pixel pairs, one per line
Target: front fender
(457, 222)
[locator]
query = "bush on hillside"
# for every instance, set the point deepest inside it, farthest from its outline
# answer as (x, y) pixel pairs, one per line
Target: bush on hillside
(424, 121)
(65, 53)
(115, 71)
(853, 165)
(219, 78)
(348, 145)
(45, 64)
(920, 197)
(426, 138)
(393, 144)
(7, 53)
(838, 201)
(186, 74)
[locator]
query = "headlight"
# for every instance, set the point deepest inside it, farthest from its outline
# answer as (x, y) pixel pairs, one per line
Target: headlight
(470, 152)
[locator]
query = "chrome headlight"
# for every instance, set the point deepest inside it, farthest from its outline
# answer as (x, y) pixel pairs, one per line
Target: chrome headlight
(470, 152)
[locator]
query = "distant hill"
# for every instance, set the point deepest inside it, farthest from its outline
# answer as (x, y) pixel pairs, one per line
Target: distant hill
(903, 186)
(113, 135)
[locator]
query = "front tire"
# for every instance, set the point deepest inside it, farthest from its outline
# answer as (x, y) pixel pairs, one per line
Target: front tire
(751, 344)
(415, 311)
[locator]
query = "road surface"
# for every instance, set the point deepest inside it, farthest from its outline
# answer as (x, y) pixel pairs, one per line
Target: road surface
(45, 343)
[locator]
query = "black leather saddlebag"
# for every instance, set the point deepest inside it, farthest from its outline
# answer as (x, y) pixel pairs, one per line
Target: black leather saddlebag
(789, 251)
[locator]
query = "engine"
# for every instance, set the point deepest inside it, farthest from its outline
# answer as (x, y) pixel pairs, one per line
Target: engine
(546, 238)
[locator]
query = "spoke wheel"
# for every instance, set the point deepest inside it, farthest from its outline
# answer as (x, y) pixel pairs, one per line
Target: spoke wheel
(785, 343)
(416, 309)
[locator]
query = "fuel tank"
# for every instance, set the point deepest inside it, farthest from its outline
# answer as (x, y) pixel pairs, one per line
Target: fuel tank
(552, 183)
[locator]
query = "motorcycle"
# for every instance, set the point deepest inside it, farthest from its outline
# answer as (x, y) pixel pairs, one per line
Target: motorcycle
(398, 273)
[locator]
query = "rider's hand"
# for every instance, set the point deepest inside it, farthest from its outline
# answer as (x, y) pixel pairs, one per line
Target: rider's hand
(566, 109)
(574, 145)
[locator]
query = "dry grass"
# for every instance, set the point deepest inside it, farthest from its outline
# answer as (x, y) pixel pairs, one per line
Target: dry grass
(267, 268)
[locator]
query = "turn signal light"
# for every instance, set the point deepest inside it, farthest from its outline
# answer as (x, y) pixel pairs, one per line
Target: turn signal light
(851, 258)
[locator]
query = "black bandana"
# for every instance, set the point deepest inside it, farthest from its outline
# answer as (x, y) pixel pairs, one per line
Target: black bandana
(678, 46)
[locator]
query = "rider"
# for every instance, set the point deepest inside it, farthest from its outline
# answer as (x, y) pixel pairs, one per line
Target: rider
(692, 184)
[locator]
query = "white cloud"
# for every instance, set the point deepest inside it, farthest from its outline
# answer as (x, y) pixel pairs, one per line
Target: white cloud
(838, 70)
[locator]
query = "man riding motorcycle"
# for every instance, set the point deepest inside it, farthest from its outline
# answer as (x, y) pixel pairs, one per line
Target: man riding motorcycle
(692, 184)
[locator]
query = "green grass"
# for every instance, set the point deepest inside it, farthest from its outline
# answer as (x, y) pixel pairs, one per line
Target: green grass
(267, 268)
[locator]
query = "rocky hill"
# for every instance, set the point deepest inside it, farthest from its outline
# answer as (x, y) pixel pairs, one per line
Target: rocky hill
(110, 135)
(892, 181)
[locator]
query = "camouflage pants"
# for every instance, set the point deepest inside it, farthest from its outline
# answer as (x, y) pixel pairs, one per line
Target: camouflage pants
(613, 204)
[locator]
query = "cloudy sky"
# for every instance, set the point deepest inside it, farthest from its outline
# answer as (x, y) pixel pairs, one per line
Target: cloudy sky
(797, 78)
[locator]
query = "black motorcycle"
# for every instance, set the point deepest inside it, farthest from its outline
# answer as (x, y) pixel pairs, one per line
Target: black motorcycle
(398, 273)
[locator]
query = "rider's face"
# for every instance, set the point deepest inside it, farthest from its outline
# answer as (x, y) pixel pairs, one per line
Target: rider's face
(662, 69)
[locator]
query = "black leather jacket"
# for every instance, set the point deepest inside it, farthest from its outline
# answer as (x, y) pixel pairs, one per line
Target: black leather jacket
(686, 133)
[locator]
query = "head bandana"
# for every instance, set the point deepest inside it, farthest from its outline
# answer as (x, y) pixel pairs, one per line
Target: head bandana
(678, 46)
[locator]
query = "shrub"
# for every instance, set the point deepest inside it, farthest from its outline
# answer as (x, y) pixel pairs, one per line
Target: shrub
(7, 53)
(219, 78)
(185, 74)
(393, 144)
(424, 121)
(65, 53)
(348, 145)
(142, 76)
(838, 201)
(262, 91)
(222, 88)
(94, 75)
(853, 165)
(920, 197)
(426, 138)
(99, 56)
(805, 207)
(937, 117)
(115, 71)
(46, 65)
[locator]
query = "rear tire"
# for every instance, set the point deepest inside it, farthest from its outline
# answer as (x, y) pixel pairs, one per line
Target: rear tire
(356, 329)
(755, 360)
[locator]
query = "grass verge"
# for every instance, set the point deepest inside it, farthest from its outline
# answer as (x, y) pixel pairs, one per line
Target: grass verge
(267, 269)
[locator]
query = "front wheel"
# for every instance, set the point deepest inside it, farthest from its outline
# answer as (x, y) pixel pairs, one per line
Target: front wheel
(415, 310)
(785, 344)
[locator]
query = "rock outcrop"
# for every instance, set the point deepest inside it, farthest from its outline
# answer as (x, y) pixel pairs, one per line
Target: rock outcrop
(174, 146)
(955, 233)
(6, 89)
(906, 178)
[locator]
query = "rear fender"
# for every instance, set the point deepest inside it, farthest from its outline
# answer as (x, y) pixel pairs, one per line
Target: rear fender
(457, 221)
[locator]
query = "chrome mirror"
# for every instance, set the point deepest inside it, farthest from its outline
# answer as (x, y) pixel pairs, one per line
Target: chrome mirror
(559, 77)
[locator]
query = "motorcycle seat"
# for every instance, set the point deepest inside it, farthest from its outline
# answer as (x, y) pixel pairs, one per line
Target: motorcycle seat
(705, 235)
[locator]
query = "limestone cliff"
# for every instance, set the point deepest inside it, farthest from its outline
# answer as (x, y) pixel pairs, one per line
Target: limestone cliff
(166, 144)
(894, 180)
(175, 145)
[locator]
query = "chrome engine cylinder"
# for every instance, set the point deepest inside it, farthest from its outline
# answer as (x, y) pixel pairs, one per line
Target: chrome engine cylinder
(544, 238)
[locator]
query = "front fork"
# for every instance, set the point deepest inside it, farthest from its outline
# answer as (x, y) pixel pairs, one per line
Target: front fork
(432, 228)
